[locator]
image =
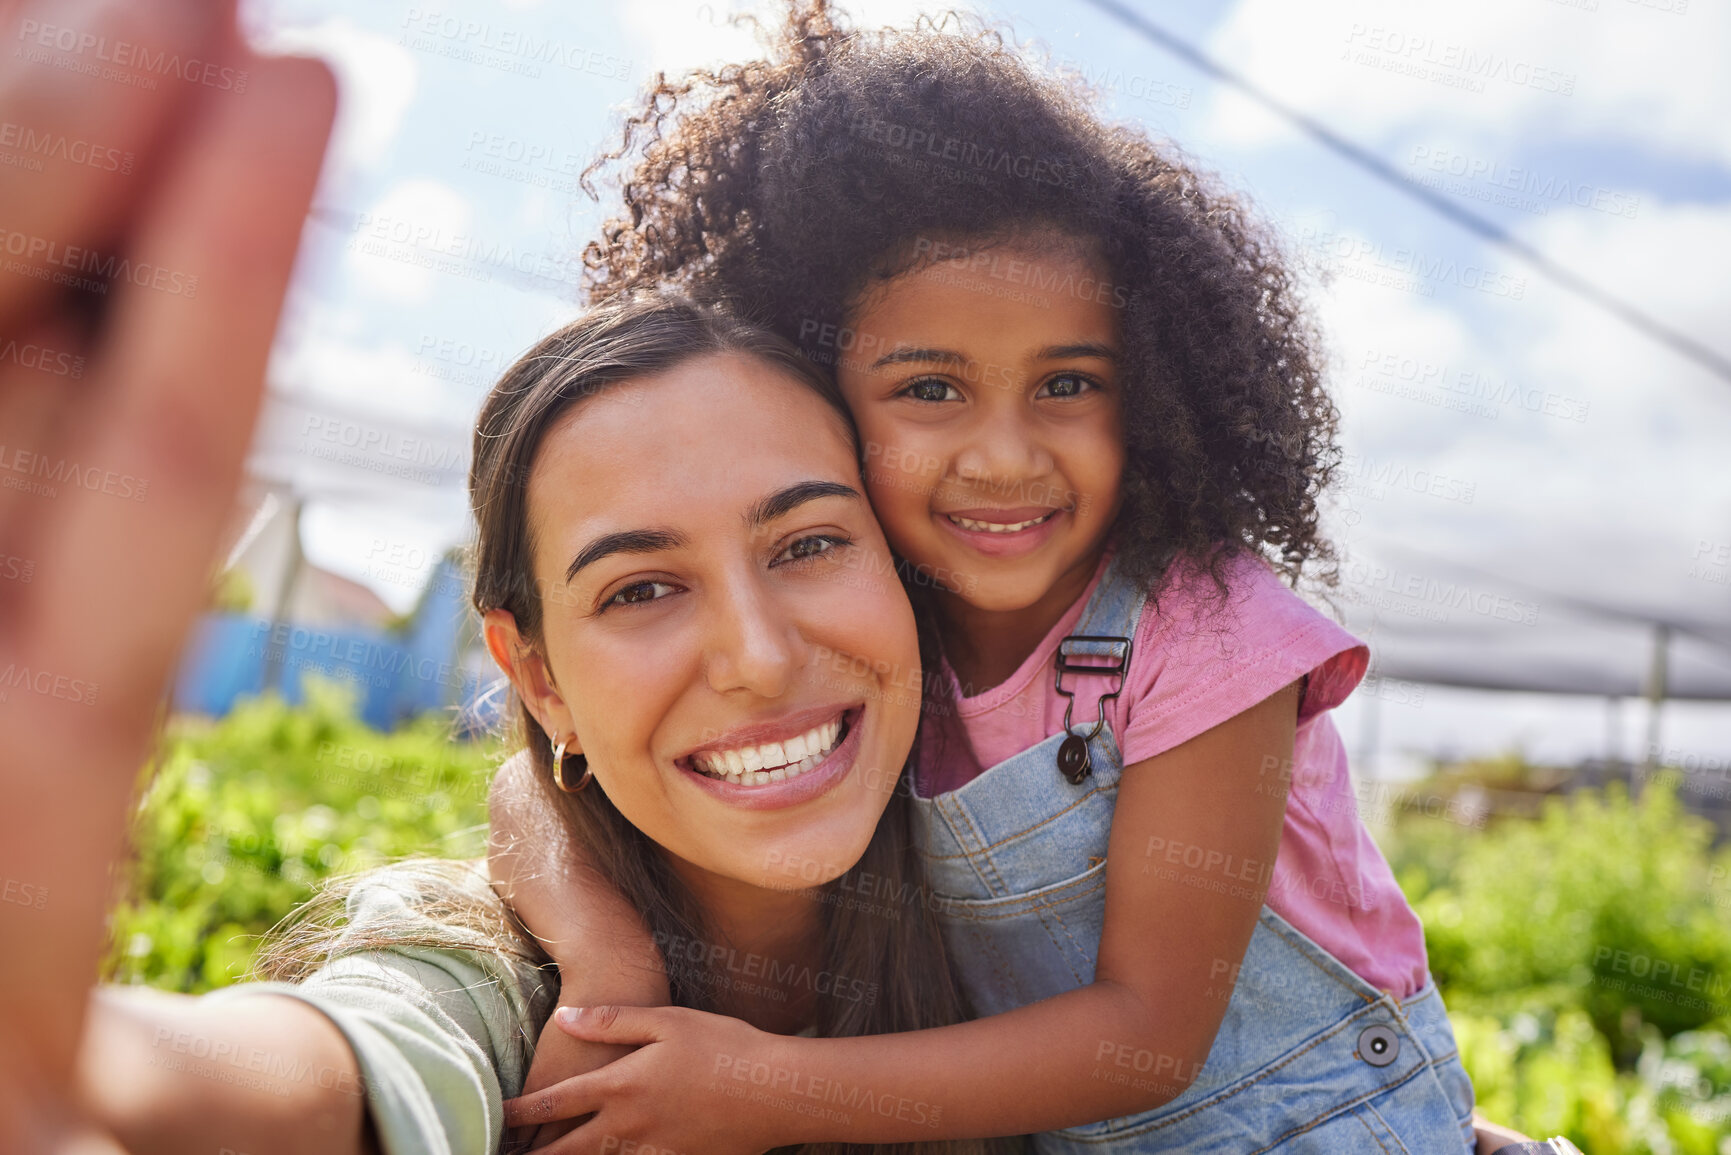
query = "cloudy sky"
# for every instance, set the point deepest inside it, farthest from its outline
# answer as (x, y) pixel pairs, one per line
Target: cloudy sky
(1530, 482)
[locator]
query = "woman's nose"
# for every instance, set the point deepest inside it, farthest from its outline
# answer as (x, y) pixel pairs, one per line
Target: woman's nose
(755, 644)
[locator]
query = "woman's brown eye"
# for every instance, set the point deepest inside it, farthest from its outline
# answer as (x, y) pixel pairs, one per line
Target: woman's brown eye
(636, 594)
(812, 546)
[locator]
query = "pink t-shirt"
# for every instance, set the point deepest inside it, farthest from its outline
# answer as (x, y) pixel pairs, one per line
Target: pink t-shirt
(1194, 665)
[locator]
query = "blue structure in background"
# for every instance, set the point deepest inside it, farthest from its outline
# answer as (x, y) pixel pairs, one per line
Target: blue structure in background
(395, 676)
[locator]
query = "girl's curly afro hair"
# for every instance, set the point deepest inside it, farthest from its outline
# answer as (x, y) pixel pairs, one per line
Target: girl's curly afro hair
(786, 187)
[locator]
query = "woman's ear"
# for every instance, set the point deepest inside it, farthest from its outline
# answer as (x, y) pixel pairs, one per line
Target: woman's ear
(527, 668)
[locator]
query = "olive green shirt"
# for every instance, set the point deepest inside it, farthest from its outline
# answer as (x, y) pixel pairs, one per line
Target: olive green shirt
(442, 1034)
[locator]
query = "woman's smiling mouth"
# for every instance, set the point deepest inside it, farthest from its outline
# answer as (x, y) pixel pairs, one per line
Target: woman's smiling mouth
(761, 764)
(810, 755)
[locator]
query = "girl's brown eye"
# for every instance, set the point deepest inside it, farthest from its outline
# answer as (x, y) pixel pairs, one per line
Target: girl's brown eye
(931, 389)
(1067, 385)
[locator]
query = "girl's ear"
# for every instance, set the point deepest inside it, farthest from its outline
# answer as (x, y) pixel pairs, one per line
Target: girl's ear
(527, 669)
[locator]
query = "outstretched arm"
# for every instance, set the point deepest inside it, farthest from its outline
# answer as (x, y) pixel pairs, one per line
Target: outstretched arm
(1048, 1065)
(162, 285)
(167, 1074)
(604, 951)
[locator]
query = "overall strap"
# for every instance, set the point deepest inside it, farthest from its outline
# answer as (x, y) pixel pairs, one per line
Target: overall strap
(1116, 604)
(1092, 664)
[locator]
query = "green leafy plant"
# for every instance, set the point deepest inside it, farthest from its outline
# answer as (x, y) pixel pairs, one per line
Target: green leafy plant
(244, 816)
(1586, 960)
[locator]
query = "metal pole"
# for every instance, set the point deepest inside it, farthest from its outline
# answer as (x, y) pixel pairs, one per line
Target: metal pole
(1657, 677)
(1614, 735)
(1368, 735)
(277, 658)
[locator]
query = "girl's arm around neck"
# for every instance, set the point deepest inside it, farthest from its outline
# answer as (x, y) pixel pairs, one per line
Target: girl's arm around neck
(1192, 848)
(604, 952)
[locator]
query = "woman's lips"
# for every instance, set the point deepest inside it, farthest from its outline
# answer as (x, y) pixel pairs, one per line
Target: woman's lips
(1001, 533)
(819, 779)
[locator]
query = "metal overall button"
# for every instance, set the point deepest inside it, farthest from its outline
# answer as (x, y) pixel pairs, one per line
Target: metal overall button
(1074, 761)
(1378, 1045)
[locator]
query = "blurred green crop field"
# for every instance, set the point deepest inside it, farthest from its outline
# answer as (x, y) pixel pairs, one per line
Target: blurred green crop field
(244, 817)
(1585, 955)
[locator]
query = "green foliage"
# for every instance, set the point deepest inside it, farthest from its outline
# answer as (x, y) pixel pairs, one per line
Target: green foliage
(244, 816)
(1586, 960)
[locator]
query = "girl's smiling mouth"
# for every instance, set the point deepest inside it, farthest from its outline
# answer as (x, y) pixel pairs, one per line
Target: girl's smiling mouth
(1000, 520)
(1001, 533)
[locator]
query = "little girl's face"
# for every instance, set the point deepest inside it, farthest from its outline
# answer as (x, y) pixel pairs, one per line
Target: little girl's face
(986, 390)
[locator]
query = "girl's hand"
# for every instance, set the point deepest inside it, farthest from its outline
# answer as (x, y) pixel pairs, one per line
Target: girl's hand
(1494, 1136)
(699, 1084)
(560, 1056)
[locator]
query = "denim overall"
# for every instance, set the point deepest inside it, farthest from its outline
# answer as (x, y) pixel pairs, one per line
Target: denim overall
(1309, 1058)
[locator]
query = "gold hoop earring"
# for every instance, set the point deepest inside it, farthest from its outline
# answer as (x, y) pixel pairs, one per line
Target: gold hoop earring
(559, 769)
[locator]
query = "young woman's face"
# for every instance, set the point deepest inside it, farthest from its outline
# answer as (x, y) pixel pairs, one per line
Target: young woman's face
(986, 394)
(725, 629)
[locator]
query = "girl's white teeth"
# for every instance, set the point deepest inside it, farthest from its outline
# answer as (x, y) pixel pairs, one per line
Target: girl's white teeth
(997, 526)
(772, 761)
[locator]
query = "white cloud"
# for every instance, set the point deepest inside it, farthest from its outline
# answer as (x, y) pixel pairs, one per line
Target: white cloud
(401, 235)
(1374, 68)
(1596, 457)
(675, 35)
(377, 77)
(328, 356)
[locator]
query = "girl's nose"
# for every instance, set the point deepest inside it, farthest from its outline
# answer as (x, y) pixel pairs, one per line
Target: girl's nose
(1003, 448)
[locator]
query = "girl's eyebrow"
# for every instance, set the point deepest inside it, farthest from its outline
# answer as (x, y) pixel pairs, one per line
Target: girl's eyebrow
(1079, 349)
(1049, 353)
(904, 356)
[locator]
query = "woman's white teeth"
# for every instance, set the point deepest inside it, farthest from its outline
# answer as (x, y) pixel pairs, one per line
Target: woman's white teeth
(772, 761)
(998, 526)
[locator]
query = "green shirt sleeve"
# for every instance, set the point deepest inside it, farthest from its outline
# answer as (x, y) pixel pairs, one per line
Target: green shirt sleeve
(442, 1033)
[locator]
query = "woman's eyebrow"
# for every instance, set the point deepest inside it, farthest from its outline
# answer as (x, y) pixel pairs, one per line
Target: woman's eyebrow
(778, 504)
(785, 501)
(626, 541)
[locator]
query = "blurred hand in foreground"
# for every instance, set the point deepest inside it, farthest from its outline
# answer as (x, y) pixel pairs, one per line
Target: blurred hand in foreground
(146, 241)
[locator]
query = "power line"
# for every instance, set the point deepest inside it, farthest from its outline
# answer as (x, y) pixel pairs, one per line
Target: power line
(1680, 343)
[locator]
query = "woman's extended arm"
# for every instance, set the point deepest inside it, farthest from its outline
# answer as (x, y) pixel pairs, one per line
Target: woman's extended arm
(167, 1074)
(1038, 1068)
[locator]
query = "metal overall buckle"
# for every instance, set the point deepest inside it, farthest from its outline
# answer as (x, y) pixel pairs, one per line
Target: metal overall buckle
(1074, 761)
